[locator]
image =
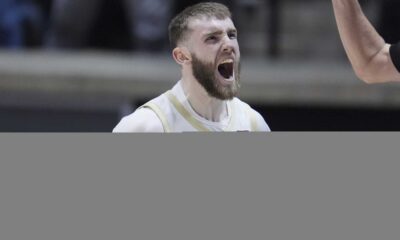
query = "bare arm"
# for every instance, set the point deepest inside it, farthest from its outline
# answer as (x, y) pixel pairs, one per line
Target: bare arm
(365, 48)
(142, 120)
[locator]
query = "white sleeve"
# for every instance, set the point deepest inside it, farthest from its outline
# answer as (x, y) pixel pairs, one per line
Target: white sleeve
(142, 120)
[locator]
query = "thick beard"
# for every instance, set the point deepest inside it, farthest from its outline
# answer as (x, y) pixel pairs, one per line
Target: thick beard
(205, 74)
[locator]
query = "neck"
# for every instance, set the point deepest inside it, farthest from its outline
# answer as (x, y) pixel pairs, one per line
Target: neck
(207, 107)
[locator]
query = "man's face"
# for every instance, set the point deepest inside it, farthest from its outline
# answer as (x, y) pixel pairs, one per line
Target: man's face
(215, 56)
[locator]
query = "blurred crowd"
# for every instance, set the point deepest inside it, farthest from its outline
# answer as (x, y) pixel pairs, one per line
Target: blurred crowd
(139, 25)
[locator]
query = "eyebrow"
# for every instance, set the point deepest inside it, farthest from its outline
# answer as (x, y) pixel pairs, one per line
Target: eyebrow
(220, 32)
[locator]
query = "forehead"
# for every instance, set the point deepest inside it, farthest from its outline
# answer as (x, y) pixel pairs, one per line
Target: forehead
(206, 25)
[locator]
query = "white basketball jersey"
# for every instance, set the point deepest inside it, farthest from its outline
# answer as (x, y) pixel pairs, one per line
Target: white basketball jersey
(177, 115)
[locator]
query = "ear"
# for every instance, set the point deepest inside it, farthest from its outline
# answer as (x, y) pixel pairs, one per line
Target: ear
(181, 55)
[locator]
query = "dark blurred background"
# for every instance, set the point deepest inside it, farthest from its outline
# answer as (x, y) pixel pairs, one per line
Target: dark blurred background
(79, 66)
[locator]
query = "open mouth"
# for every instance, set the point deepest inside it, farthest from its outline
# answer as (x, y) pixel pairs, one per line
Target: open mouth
(225, 68)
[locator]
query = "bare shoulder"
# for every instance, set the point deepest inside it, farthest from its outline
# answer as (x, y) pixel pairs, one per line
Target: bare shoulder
(142, 120)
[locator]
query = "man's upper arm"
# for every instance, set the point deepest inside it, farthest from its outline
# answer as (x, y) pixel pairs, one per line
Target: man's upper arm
(142, 120)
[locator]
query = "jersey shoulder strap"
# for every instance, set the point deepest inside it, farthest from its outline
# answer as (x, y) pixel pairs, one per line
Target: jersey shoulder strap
(160, 114)
(185, 114)
(252, 117)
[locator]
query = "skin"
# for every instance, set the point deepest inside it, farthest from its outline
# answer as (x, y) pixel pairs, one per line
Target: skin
(210, 41)
(365, 48)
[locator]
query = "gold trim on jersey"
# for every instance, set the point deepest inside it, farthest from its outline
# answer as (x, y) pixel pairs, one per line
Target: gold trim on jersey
(185, 114)
(253, 120)
(160, 115)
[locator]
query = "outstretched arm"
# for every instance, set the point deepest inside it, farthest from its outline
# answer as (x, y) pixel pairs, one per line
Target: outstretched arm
(366, 49)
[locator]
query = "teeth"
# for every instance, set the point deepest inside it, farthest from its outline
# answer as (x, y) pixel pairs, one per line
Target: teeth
(227, 61)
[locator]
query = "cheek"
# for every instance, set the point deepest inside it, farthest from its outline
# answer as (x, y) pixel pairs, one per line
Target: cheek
(208, 56)
(238, 55)
(237, 49)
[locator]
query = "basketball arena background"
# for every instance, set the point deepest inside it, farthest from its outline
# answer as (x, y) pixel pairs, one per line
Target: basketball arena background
(294, 71)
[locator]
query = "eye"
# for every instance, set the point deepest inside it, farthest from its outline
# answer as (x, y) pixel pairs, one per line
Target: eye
(211, 38)
(232, 35)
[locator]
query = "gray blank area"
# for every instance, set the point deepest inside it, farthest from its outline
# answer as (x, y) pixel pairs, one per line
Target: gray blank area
(199, 186)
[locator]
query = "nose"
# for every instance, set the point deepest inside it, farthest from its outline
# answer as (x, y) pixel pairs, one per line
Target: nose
(228, 45)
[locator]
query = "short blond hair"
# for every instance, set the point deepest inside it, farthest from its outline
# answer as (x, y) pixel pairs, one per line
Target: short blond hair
(178, 26)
